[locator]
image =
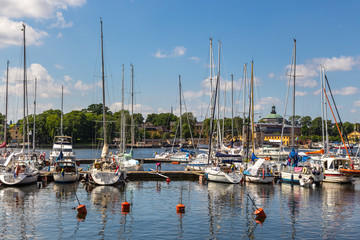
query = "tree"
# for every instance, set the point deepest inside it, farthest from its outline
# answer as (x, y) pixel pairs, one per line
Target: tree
(97, 109)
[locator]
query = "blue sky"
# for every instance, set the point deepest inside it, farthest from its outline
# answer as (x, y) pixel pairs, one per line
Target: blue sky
(164, 39)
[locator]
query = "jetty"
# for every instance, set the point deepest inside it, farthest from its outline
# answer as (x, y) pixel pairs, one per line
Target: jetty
(142, 160)
(144, 175)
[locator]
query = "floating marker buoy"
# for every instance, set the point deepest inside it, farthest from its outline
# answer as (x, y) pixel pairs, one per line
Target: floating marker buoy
(180, 208)
(81, 209)
(125, 207)
(260, 213)
(175, 162)
(168, 180)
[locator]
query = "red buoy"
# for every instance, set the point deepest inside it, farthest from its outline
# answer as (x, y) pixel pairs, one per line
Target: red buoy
(168, 180)
(81, 209)
(260, 213)
(180, 208)
(125, 207)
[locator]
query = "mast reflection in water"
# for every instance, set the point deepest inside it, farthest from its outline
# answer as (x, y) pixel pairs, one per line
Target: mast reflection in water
(213, 211)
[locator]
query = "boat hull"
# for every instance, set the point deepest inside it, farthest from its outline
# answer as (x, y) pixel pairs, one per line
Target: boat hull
(104, 177)
(259, 179)
(294, 177)
(21, 179)
(220, 176)
(66, 178)
(338, 178)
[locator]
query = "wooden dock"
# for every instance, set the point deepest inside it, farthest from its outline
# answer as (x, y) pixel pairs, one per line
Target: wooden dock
(142, 160)
(146, 175)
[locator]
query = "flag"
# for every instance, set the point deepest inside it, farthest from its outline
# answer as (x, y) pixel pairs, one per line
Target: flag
(60, 156)
(253, 157)
(117, 170)
(62, 172)
(16, 172)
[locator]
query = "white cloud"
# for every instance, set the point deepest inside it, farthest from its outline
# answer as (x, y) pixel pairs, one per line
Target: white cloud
(58, 66)
(356, 103)
(176, 52)
(345, 91)
(36, 8)
(353, 111)
(79, 85)
(300, 94)
(68, 79)
(59, 35)
(60, 22)
(271, 75)
(11, 34)
(306, 83)
(195, 59)
(343, 63)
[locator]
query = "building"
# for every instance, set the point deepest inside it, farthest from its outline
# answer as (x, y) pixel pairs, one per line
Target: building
(354, 137)
(15, 134)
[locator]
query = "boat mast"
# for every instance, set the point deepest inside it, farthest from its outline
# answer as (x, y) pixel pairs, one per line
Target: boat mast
(252, 107)
(24, 89)
(293, 116)
(34, 117)
(61, 122)
(218, 100)
(6, 101)
(322, 106)
(244, 99)
(180, 110)
(103, 83)
(122, 113)
(211, 91)
(132, 106)
(232, 106)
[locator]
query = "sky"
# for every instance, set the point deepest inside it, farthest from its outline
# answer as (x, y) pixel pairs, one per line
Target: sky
(165, 39)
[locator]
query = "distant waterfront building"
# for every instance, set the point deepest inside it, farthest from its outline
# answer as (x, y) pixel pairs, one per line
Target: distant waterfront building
(268, 129)
(15, 134)
(354, 137)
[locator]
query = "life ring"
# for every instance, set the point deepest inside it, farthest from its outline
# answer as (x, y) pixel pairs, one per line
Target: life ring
(304, 170)
(42, 157)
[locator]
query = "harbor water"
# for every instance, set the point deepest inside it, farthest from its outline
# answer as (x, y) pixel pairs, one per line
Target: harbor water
(212, 211)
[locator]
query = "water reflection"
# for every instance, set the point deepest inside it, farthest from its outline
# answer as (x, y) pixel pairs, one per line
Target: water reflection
(66, 192)
(17, 205)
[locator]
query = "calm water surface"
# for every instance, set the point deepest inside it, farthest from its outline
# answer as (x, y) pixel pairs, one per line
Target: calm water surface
(213, 211)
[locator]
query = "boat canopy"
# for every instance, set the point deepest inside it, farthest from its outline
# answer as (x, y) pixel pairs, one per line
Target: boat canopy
(185, 150)
(254, 169)
(219, 154)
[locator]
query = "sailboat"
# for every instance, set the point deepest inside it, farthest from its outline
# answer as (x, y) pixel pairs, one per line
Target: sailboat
(220, 172)
(19, 167)
(66, 167)
(294, 173)
(105, 171)
(259, 171)
(126, 160)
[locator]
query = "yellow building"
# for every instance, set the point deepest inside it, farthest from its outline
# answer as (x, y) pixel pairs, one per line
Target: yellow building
(354, 137)
(277, 138)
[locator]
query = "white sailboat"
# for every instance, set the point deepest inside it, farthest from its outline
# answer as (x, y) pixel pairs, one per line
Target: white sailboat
(19, 167)
(293, 173)
(126, 160)
(105, 171)
(66, 168)
(221, 172)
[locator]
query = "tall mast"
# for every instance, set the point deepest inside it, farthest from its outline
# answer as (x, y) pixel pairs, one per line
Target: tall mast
(218, 98)
(132, 106)
(322, 106)
(232, 106)
(180, 109)
(103, 83)
(211, 91)
(24, 91)
(224, 108)
(252, 107)
(34, 117)
(6, 101)
(122, 112)
(61, 122)
(293, 116)
(244, 99)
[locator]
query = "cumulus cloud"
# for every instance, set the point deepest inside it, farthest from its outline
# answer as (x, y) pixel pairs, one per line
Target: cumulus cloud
(176, 52)
(271, 75)
(60, 22)
(11, 34)
(345, 91)
(59, 35)
(36, 8)
(79, 85)
(68, 79)
(356, 103)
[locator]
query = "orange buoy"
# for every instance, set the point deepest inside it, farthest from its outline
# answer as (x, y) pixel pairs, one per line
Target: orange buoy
(168, 180)
(81, 209)
(259, 220)
(125, 207)
(180, 208)
(175, 162)
(260, 213)
(81, 217)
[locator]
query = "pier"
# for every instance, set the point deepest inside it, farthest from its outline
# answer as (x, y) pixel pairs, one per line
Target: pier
(145, 175)
(142, 160)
